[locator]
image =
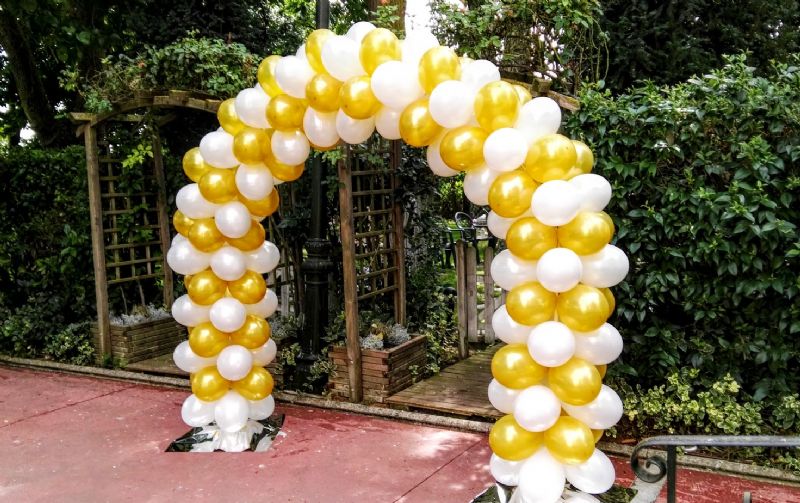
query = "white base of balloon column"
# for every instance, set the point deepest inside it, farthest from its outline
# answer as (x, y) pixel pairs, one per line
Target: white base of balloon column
(256, 436)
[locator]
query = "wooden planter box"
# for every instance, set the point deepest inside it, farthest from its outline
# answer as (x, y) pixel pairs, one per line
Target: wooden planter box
(139, 342)
(383, 372)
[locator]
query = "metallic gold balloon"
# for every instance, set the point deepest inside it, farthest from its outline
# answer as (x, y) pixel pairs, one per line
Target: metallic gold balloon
(531, 304)
(608, 220)
(266, 75)
(206, 288)
(322, 93)
(585, 159)
(325, 149)
(254, 333)
(417, 127)
(282, 171)
(551, 157)
(314, 44)
(437, 65)
(248, 289)
(511, 192)
(602, 369)
(182, 223)
(285, 112)
(569, 441)
(193, 164)
(496, 105)
(218, 185)
(523, 94)
(226, 115)
(462, 147)
(262, 207)
(598, 434)
(208, 385)
(205, 236)
(585, 234)
(528, 238)
(250, 241)
(511, 441)
(514, 368)
(251, 145)
(379, 46)
(257, 385)
(577, 382)
(357, 100)
(612, 302)
(207, 341)
(582, 309)
(187, 280)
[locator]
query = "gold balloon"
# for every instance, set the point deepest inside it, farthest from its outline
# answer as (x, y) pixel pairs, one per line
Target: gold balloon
(207, 341)
(378, 47)
(208, 384)
(250, 241)
(528, 238)
(417, 127)
(496, 105)
(608, 220)
(357, 100)
(523, 94)
(254, 333)
(531, 304)
(314, 44)
(193, 164)
(585, 159)
(598, 434)
(437, 65)
(602, 369)
(251, 145)
(462, 148)
(218, 185)
(282, 171)
(612, 302)
(248, 289)
(514, 368)
(257, 385)
(266, 75)
(206, 288)
(263, 207)
(205, 236)
(511, 192)
(577, 382)
(182, 223)
(226, 115)
(582, 309)
(569, 441)
(585, 234)
(511, 441)
(551, 157)
(322, 93)
(285, 112)
(187, 280)
(324, 149)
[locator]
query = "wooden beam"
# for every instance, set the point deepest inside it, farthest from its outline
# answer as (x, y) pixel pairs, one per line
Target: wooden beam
(399, 239)
(488, 296)
(461, 298)
(163, 218)
(471, 274)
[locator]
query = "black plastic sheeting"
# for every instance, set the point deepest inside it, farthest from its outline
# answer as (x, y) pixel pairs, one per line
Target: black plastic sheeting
(190, 441)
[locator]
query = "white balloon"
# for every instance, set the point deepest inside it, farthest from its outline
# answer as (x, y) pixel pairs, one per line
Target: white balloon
(188, 361)
(601, 413)
(227, 314)
(435, 162)
(502, 398)
(290, 147)
(509, 271)
(262, 409)
(217, 150)
(340, 58)
(504, 471)
(191, 202)
(231, 412)
(254, 181)
(196, 412)
(477, 183)
(599, 347)
(320, 128)
(251, 107)
(479, 73)
(416, 44)
(605, 268)
(505, 149)
(537, 408)
(233, 219)
(185, 259)
(292, 75)
(264, 307)
(555, 203)
(538, 117)
(301, 52)
(551, 344)
(508, 330)
(354, 131)
(559, 269)
(228, 263)
(187, 313)
(387, 122)
(264, 258)
(594, 476)
(396, 84)
(499, 225)
(264, 355)
(450, 103)
(234, 362)
(541, 478)
(358, 31)
(594, 191)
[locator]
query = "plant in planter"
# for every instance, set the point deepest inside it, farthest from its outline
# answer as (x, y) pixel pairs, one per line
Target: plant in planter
(146, 332)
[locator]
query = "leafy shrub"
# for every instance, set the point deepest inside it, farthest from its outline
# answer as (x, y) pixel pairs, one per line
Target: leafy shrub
(73, 344)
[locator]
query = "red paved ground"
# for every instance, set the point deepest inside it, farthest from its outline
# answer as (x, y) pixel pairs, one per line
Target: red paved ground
(67, 438)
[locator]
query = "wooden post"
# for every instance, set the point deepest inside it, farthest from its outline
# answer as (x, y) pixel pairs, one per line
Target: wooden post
(163, 218)
(353, 340)
(461, 298)
(399, 240)
(471, 274)
(488, 295)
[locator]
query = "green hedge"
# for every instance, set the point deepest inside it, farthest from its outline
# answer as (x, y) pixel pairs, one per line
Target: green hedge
(706, 184)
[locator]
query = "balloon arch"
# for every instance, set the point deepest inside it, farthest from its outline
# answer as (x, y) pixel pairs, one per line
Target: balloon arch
(544, 202)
